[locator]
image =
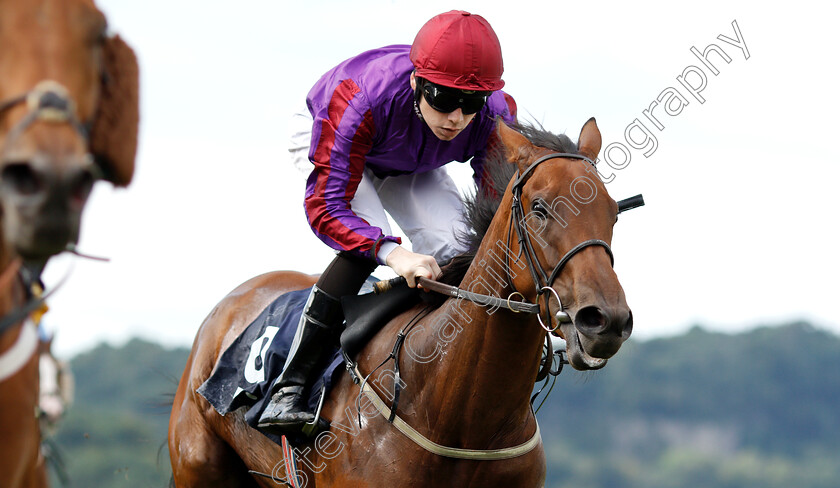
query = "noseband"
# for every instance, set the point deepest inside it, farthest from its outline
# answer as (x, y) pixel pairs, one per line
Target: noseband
(49, 101)
(542, 280)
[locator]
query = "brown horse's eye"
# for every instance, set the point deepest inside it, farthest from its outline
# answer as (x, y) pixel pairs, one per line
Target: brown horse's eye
(98, 31)
(540, 208)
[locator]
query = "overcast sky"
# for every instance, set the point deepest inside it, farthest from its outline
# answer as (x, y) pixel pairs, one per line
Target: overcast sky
(740, 226)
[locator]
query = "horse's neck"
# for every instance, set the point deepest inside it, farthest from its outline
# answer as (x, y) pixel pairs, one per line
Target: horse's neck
(488, 357)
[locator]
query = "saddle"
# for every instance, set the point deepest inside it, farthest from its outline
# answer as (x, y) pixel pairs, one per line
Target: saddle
(366, 314)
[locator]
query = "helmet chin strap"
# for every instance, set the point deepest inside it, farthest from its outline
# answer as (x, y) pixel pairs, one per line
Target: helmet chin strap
(418, 86)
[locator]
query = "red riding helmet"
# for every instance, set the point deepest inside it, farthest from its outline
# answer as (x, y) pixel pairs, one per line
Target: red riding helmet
(458, 50)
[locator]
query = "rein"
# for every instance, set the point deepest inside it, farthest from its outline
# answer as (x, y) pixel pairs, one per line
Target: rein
(455, 292)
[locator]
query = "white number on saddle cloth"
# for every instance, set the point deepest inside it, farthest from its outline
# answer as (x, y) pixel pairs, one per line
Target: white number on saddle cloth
(255, 367)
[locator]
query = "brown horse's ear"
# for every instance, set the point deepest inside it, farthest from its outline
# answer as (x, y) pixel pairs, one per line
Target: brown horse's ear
(517, 147)
(113, 137)
(589, 143)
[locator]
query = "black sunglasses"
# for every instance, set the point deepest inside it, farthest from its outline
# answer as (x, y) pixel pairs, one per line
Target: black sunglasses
(447, 100)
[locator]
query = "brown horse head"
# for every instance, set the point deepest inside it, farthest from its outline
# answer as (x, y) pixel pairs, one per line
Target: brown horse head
(567, 221)
(68, 116)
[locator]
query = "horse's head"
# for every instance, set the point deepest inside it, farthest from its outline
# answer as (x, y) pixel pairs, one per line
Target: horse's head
(564, 219)
(68, 116)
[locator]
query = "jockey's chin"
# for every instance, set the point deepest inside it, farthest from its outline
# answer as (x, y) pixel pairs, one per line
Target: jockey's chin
(445, 126)
(445, 133)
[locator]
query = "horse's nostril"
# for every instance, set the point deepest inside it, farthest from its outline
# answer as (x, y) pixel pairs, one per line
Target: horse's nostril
(591, 318)
(21, 178)
(628, 325)
(81, 185)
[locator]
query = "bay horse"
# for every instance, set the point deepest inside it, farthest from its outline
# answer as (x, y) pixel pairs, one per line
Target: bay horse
(467, 368)
(69, 114)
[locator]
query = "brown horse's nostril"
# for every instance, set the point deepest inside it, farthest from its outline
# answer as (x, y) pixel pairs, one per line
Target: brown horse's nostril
(593, 320)
(590, 320)
(81, 184)
(628, 325)
(21, 178)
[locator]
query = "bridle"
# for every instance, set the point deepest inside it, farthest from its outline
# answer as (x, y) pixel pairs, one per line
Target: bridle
(542, 280)
(51, 102)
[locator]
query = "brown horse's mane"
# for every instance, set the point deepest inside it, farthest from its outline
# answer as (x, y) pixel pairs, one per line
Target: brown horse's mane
(480, 208)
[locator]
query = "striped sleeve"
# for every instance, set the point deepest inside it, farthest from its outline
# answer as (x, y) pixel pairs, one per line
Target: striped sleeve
(344, 138)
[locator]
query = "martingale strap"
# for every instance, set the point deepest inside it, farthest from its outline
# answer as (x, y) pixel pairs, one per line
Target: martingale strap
(451, 452)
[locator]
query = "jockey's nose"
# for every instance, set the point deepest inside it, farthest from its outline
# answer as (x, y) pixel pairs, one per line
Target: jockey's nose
(456, 115)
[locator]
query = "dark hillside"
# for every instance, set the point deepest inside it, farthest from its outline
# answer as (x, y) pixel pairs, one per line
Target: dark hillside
(704, 410)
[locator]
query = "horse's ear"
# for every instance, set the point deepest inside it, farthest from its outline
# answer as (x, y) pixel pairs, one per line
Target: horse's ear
(517, 147)
(589, 143)
(113, 137)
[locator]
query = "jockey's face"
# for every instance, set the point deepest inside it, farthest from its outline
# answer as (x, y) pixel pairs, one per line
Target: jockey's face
(445, 126)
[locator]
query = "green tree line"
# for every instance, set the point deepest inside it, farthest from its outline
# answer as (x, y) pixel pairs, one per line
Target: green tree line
(703, 409)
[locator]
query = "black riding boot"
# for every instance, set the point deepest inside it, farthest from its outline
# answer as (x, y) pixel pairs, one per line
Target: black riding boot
(288, 411)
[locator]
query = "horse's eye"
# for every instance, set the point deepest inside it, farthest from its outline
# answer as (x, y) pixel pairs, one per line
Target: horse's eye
(539, 206)
(98, 33)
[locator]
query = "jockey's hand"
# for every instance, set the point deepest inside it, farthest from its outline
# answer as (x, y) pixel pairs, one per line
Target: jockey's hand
(410, 265)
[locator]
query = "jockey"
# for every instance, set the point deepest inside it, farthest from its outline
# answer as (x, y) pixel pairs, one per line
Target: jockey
(376, 134)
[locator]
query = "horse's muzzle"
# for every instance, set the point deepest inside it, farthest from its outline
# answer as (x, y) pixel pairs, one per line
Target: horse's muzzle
(41, 206)
(603, 330)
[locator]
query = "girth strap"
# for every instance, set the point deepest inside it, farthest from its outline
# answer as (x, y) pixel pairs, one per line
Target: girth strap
(451, 452)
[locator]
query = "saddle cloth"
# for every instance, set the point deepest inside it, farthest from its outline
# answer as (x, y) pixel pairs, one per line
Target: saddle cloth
(247, 369)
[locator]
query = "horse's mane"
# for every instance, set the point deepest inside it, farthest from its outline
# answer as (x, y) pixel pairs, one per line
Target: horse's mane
(480, 208)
